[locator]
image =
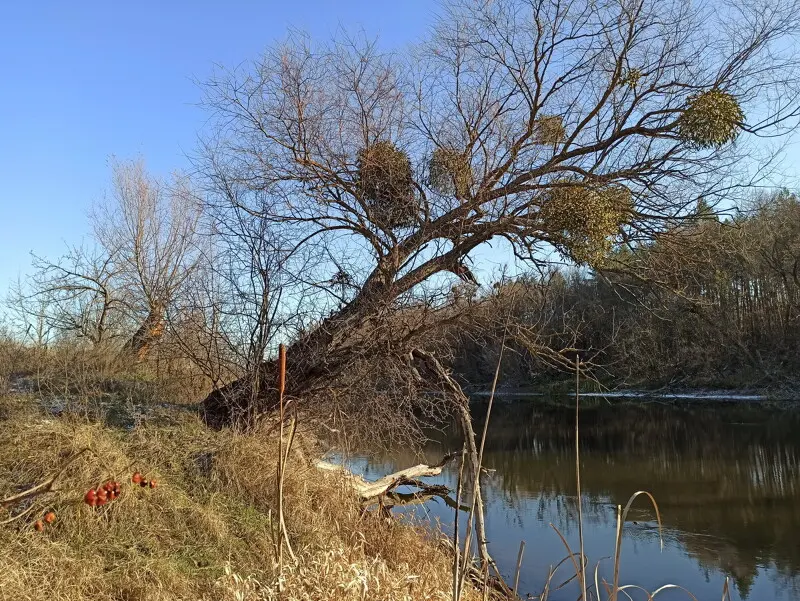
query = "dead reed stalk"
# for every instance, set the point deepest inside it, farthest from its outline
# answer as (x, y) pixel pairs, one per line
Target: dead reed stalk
(578, 473)
(283, 456)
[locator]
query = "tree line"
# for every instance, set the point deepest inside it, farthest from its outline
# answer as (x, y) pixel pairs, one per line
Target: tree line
(715, 301)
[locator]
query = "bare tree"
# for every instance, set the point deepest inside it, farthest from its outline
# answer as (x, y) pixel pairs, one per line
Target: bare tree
(144, 250)
(539, 125)
(29, 315)
(231, 311)
(75, 294)
(150, 229)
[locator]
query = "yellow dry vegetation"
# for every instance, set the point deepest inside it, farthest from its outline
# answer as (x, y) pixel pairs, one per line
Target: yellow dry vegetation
(205, 531)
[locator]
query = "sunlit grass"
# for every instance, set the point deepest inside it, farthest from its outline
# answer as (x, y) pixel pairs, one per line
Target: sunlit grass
(205, 532)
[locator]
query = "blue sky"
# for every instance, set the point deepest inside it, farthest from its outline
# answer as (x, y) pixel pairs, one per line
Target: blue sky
(83, 81)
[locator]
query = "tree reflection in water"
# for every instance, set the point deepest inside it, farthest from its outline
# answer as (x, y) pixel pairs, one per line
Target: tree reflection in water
(726, 479)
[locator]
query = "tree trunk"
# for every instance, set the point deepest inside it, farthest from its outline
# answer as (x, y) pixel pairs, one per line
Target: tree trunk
(312, 363)
(148, 334)
(322, 354)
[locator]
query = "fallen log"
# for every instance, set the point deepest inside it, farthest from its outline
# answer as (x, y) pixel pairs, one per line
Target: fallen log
(368, 491)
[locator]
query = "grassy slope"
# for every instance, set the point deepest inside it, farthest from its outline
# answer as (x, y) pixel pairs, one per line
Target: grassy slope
(203, 533)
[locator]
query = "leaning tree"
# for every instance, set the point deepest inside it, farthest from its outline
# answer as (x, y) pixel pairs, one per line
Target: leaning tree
(538, 125)
(571, 126)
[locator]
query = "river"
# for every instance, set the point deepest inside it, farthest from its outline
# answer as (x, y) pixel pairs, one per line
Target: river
(726, 477)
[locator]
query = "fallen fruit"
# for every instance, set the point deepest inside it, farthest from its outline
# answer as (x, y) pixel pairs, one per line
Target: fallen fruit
(50, 517)
(136, 478)
(152, 483)
(38, 525)
(144, 483)
(90, 498)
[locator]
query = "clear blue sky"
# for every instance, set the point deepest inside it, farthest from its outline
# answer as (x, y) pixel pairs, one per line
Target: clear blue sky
(86, 80)
(82, 81)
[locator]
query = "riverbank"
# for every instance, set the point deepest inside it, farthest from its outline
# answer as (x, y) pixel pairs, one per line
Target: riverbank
(205, 530)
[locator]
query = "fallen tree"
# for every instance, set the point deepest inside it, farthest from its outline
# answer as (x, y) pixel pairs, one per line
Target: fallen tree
(378, 180)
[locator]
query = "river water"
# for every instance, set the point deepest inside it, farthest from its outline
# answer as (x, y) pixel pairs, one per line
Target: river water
(726, 477)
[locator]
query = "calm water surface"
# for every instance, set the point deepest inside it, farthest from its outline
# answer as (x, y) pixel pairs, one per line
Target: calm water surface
(726, 478)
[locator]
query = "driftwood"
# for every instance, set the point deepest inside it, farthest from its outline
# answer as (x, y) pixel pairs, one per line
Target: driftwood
(369, 492)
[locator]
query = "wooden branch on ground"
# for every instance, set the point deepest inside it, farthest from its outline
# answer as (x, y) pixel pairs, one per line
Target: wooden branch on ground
(368, 491)
(34, 491)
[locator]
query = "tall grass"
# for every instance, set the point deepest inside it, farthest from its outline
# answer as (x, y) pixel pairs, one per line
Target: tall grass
(70, 370)
(204, 532)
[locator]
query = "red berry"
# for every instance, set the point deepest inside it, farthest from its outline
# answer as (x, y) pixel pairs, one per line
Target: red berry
(153, 484)
(38, 525)
(136, 478)
(50, 517)
(90, 498)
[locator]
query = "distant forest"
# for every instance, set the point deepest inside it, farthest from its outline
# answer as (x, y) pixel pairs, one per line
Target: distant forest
(715, 303)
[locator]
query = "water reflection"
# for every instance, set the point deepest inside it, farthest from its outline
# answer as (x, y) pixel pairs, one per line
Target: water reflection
(726, 479)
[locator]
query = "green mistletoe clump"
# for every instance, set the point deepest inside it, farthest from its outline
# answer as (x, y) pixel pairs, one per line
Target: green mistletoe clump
(711, 119)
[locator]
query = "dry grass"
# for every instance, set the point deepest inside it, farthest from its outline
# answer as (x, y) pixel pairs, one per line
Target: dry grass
(70, 370)
(204, 532)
